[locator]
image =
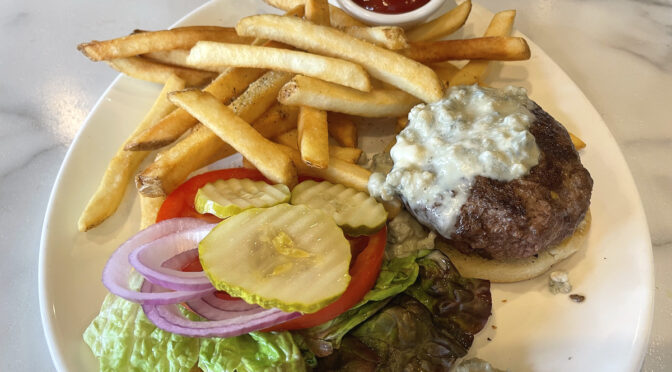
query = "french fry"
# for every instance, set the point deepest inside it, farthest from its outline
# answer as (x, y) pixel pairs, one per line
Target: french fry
(149, 209)
(342, 129)
(495, 48)
(317, 11)
(147, 42)
(306, 91)
(312, 134)
(445, 70)
(442, 26)
(339, 171)
(221, 120)
(226, 87)
(145, 69)
(402, 122)
(247, 164)
(576, 141)
(474, 71)
(277, 120)
(389, 37)
(313, 137)
(347, 154)
(177, 57)
(209, 54)
(390, 67)
(337, 17)
(202, 147)
(112, 187)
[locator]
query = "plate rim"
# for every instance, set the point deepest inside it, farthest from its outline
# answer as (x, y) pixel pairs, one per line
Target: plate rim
(645, 321)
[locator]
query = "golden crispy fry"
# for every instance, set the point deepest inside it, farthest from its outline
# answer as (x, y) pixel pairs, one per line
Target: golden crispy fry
(389, 37)
(576, 141)
(149, 208)
(247, 164)
(120, 170)
(337, 71)
(313, 137)
(312, 134)
(445, 70)
(340, 19)
(221, 120)
(342, 129)
(388, 66)
(339, 171)
(226, 87)
(147, 42)
(474, 71)
(202, 147)
(495, 48)
(442, 26)
(277, 120)
(348, 154)
(317, 11)
(177, 57)
(144, 69)
(337, 17)
(306, 91)
(402, 122)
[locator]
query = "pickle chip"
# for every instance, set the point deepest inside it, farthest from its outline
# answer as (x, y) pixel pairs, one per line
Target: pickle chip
(224, 198)
(289, 257)
(354, 211)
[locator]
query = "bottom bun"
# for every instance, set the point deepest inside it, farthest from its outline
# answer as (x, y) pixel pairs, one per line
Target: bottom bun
(515, 270)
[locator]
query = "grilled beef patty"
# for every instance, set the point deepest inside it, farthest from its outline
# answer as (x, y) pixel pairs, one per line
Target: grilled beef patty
(519, 218)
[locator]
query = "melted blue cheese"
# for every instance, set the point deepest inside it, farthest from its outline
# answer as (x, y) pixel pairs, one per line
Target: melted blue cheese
(473, 131)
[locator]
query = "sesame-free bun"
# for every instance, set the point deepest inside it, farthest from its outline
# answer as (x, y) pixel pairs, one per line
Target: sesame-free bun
(515, 270)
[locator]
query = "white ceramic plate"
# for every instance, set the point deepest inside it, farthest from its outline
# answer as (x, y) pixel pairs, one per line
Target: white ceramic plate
(530, 330)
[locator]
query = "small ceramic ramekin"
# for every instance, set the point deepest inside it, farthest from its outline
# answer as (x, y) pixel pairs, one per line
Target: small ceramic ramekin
(407, 19)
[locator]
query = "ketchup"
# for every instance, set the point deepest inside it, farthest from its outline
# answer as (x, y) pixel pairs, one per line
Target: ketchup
(390, 6)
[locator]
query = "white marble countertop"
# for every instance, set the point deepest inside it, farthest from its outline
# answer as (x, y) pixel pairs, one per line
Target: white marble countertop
(618, 52)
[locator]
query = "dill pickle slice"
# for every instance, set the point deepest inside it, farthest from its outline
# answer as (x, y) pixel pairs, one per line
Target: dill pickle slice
(354, 211)
(224, 198)
(290, 257)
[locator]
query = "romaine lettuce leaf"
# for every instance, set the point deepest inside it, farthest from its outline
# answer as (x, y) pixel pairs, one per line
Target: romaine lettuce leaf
(123, 339)
(253, 352)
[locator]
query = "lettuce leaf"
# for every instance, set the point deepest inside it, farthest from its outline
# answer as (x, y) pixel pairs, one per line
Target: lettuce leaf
(123, 339)
(427, 327)
(253, 352)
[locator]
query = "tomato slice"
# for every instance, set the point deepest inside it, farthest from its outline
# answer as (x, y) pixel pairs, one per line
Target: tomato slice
(367, 252)
(180, 202)
(363, 272)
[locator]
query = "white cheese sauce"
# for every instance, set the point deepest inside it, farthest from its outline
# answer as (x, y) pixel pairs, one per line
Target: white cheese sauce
(473, 131)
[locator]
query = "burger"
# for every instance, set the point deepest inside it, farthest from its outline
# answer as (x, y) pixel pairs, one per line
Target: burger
(496, 177)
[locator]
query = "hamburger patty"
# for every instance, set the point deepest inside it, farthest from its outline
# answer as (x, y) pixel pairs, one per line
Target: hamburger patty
(519, 218)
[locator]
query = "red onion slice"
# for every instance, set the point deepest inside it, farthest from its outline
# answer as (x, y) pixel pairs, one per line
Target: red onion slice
(169, 318)
(207, 311)
(159, 261)
(117, 271)
(227, 305)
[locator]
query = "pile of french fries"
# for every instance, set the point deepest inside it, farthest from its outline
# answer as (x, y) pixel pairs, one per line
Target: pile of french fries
(275, 89)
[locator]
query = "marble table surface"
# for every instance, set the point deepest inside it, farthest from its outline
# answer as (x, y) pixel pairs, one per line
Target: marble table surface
(619, 53)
